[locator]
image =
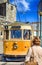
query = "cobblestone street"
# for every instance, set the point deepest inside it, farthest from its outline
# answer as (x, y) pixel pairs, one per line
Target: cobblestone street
(11, 63)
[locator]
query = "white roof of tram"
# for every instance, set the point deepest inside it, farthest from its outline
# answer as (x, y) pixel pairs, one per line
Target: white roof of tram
(22, 25)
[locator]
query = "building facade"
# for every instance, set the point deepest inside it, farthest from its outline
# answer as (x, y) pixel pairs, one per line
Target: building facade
(36, 28)
(3, 1)
(7, 12)
(7, 15)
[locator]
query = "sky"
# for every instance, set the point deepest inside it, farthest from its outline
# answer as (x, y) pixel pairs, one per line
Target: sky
(27, 10)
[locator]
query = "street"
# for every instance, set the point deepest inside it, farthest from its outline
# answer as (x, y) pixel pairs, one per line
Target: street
(11, 63)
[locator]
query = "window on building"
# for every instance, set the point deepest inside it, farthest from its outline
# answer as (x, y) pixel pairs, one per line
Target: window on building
(11, 7)
(0, 32)
(3, 9)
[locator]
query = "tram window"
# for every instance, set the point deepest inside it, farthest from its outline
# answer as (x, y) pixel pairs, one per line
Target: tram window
(6, 34)
(16, 34)
(27, 34)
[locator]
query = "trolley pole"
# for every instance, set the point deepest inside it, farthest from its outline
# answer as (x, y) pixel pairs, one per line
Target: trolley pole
(40, 14)
(40, 26)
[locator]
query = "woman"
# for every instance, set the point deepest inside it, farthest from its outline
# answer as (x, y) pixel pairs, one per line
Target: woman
(37, 50)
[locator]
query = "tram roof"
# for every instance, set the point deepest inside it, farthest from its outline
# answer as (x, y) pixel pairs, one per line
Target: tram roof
(19, 23)
(23, 25)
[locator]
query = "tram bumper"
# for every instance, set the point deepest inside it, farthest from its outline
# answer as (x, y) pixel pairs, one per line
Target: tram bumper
(14, 58)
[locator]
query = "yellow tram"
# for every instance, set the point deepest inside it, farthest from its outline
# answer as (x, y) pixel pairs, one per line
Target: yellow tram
(16, 42)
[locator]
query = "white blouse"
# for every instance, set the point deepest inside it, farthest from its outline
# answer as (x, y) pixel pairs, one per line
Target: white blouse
(37, 50)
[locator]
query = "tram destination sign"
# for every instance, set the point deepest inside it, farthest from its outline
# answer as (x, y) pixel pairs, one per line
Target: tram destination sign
(16, 27)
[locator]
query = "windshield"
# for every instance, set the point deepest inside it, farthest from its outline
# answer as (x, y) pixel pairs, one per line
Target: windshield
(27, 34)
(16, 33)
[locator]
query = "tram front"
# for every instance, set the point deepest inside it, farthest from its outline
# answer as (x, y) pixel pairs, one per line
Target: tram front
(17, 42)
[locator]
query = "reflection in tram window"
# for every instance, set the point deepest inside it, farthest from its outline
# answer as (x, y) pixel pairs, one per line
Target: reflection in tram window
(16, 34)
(27, 34)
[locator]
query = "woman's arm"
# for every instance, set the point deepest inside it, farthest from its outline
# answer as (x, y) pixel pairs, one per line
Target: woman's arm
(28, 55)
